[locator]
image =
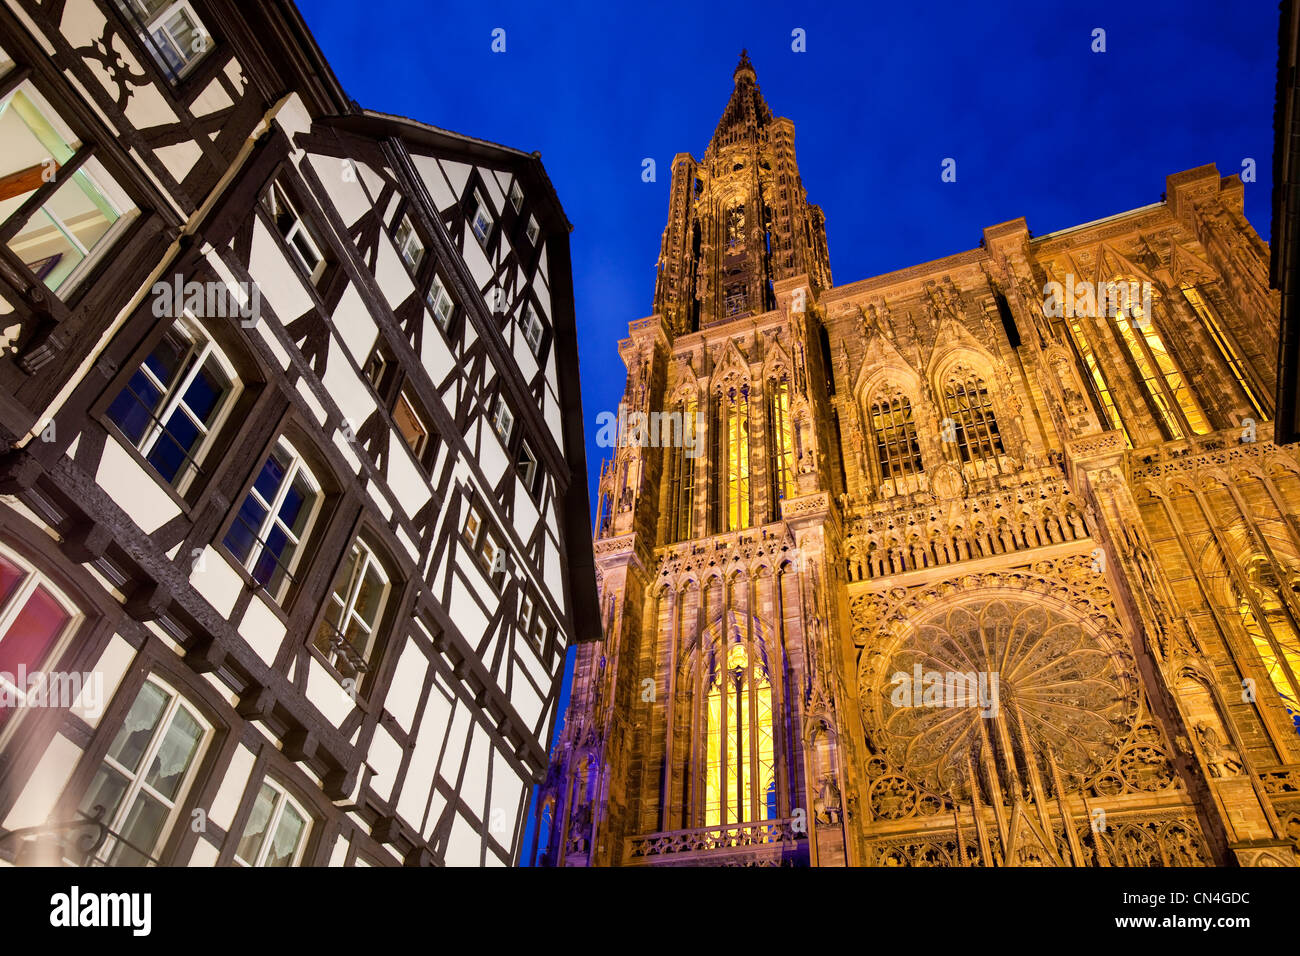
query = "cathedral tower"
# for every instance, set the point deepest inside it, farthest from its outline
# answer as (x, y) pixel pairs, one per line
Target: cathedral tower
(989, 561)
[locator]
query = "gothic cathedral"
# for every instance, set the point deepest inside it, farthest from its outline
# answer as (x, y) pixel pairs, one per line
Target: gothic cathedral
(990, 561)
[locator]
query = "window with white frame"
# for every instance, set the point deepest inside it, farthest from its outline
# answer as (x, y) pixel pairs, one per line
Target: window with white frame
(347, 634)
(480, 217)
(483, 542)
(532, 231)
(276, 832)
(36, 621)
(277, 516)
(82, 209)
(440, 303)
(174, 404)
(146, 773)
(527, 465)
(296, 232)
(171, 31)
(409, 244)
(516, 195)
(531, 324)
(503, 420)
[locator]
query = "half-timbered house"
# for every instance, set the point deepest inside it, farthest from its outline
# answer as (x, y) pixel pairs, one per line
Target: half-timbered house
(294, 529)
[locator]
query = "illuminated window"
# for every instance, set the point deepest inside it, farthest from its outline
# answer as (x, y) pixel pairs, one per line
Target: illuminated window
(409, 244)
(740, 777)
(276, 832)
(1225, 345)
(171, 31)
(81, 209)
(410, 422)
(347, 633)
(35, 620)
(975, 427)
(1164, 383)
(898, 453)
(295, 231)
(1273, 632)
(275, 519)
(682, 474)
(145, 774)
(173, 404)
(1089, 359)
(781, 450)
(733, 460)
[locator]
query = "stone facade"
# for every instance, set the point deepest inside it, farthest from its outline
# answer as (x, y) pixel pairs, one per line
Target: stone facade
(988, 467)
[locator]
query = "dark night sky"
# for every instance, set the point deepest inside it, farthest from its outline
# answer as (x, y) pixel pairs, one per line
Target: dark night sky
(1040, 126)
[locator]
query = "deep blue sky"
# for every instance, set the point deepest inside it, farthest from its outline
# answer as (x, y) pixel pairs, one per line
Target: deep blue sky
(1040, 126)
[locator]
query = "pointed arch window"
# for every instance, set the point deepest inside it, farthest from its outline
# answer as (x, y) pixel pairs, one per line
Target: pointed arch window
(1097, 376)
(740, 778)
(1166, 387)
(1224, 343)
(780, 432)
(1273, 631)
(682, 473)
(898, 453)
(731, 458)
(974, 423)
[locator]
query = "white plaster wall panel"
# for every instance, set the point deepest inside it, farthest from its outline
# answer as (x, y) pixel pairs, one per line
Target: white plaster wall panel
(543, 269)
(495, 194)
(434, 181)
(106, 675)
(380, 501)
(457, 176)
(526, 515)
(408, 680)
(384, 757)
(343, 186)
(273, 343)
(262, 629)
(525, 700)
(524, 357)
(493, 459)
(436, 356)
(277, 278)
(353, 325)
(436, 807)
(327, 694)
(348, 449)
(412, 546)
(350, 393)
(293, 116)
(420, 774)
(391, 274)
(233, 785)
(543, 296)
(404, 478)
(476, 260)
(372, 180)
(179, 158)
(217, 581)
(465, 846)
(235, 73)
(552, 575)
(474, 785)
(213, 98)
(133, 489)
(205, 854)
(317, 410)
(503, 179)
(453, 751)
(554, 421)
(463, 607)
(47, 781)
(339, 854)
(503, 805)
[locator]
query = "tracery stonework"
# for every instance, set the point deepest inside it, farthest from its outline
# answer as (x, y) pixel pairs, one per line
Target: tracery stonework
(934, 573)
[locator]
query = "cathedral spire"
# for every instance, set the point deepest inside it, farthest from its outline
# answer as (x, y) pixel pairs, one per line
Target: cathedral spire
(746, 111)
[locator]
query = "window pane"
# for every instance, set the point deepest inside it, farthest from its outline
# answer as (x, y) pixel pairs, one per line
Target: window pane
(137, 730)
(258, 821)
(287, 834)
(370, 596)
(10, 575)
(272, 474)
(143, 827)
(174, 754)
(106, 791)
(33, 632)
(297, 505)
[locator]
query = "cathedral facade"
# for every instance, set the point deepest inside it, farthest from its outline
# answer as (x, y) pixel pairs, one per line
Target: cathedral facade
(990, 561)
